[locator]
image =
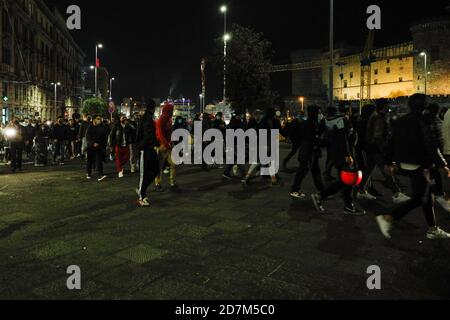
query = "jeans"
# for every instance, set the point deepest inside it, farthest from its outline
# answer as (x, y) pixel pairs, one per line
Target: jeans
(308, 163)
(60, 150)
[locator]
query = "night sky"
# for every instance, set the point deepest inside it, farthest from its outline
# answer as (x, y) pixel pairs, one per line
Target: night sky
(153, 46)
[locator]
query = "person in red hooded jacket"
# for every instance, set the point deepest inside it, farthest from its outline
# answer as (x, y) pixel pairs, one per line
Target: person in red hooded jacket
(164, 130)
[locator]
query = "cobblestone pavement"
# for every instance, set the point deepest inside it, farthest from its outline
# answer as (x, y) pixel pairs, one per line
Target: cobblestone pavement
(215, 240)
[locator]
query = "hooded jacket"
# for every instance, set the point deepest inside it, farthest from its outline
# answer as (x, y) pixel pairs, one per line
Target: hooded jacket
(146, 133)
(164, 127)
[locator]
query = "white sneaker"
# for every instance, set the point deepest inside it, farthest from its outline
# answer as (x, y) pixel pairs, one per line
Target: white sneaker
(365, 196)
(144, 203)
(385, 227)
(133, 169)
(443, 203)
(88, 177)
(400, 198)
(437, 233)
(102, 178)
(121, 174)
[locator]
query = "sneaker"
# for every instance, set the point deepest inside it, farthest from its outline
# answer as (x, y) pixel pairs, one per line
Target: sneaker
(437, 233)
(121, 174)
(443, 203)
(354, 211)
(400, 198)
(102, 178)
(385, 227)
(365, 196)
(133, 169)
(159, 188)
(166, 171)
(88, 177)
(245, 181)
(227, 177)
(298, 195)
(144, 203)
(317, 200)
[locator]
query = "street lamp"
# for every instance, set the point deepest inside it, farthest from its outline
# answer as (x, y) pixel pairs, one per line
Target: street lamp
(56, 85)
(110, 88)
(226, 38)
(331, 80)
(302, 101)
(425, 55)
(98, 46)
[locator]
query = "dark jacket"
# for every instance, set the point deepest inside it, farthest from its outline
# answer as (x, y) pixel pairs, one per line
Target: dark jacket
(413, 142)
(338, 131)
(30, 133)
(60, 132)
(146, 133)
(377, 133)
(73, 132)
(435, 125)
(83, 129)
(97, 134)
(121, 136)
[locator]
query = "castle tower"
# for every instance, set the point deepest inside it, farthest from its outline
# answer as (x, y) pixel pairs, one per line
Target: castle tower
(433, 38)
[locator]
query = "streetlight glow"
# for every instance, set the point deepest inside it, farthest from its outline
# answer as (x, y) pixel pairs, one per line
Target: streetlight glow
(223, 9)
(100, 46)
(92, 67)
(227, 37)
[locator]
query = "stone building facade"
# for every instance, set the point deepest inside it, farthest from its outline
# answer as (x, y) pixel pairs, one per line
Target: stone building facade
(36, 50)
(395, 71)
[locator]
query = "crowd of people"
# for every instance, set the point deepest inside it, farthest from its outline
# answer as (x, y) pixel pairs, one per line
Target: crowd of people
(415, 145)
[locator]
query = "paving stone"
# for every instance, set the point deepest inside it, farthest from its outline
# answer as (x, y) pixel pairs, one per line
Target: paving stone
(232, 226)
(142, 254)
(192, 231)
(53, 249)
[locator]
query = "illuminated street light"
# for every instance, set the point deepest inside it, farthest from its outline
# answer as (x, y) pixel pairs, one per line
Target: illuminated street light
(226, 38)
(425, 55)
(56, 85)
(98, 46)
(223, 9)
(302, 101)
(110, 88)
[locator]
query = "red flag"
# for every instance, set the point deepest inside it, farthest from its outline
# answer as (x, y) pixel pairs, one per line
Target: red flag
(98, 63)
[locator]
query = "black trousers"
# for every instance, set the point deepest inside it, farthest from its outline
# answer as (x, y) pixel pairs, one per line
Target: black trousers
(337, 187)
(60, 150)
(421, 197)
(308, 162)
(293, 152)
(95, 158)
(16, 157)
(149, 170)
(375, 160)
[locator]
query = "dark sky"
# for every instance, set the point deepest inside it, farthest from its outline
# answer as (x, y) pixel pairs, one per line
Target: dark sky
(152, 46)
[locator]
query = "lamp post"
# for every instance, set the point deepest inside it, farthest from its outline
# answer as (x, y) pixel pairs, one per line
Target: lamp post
(110, 88)
(331, 80)
(302, 101)
(226, 38)
(98, 46)
(425, 55)
(56, 85)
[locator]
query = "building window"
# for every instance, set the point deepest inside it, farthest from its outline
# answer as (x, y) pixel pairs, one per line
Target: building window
(400, 79)
(358, 95)
(418, 78)
(345, 84)
(376, 71)
(345, 96)
(351, 75)
(388, 70)
(375, 81)
(389, 61)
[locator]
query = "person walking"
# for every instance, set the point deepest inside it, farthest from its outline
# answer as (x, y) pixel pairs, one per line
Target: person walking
(310, 153)
(30, 133)
(412, 152)
(15, 135)
(60, 135)
(120, 139)
(146, 142)
(85, 124)
(96, 141)
(338, 133)
(164, 130)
